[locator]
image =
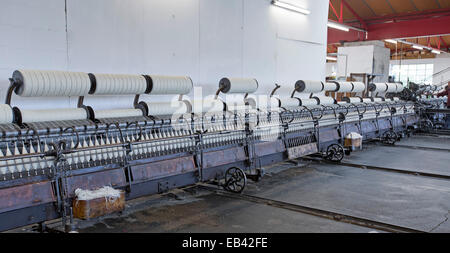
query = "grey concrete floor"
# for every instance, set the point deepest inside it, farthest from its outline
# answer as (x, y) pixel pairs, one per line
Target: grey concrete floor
(405, 200)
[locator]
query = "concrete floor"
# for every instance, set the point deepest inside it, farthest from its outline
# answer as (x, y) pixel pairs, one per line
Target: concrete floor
(405, 200)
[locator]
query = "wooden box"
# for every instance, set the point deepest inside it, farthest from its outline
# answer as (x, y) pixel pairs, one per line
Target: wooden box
(353, 143)
(88, 209)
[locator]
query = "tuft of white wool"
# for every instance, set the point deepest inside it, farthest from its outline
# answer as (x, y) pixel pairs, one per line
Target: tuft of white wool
(105, 192)
(354, 136)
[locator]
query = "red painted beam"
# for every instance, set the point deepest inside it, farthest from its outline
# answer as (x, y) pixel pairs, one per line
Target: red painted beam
(337, 36)
(334, 10)
(411, 28)
(404, 29)
(406, 16)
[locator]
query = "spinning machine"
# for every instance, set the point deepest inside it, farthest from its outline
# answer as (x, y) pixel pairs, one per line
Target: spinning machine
(153, 147)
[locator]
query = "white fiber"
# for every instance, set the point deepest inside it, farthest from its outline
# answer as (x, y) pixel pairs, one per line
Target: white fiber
(330, 87)
(171, 85)
(288, 102)
(391, 87)
(377, 100)
(353, 136)
(167, 108)
(113, 84)
(238, 85)
(30, 116)
(400, 87)
(308, 86)
(358, 87)
(208, 106)
(6, 114)
(309, 102)
(326, 100)
(379, 87)
(345, 87)
(119, 113)
(105, 192)
(42, 83)
(354, 100)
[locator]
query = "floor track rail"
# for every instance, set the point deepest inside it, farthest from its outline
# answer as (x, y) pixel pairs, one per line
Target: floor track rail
(314, 211)
(369, 167)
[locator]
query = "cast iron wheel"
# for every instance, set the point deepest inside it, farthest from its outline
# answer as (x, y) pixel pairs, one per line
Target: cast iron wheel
(335, 153)
(390, 137)
(235, 180)
(427, 125)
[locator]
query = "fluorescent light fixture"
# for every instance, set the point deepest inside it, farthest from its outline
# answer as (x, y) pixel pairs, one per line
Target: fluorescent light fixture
(338, 26)
(331, 58)
(291, 7)
(391, 41)
(436, 51)
(417, 47)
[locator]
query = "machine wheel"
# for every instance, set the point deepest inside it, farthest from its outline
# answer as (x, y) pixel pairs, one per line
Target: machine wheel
(390, 137)
(235, 180)
(335, 153)
(427, 125)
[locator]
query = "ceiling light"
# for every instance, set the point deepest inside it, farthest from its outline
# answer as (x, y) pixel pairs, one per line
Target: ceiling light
(436, 51)
(417, 47)
(290, 7)
(391, 41)
(331, 58)
(338, 26)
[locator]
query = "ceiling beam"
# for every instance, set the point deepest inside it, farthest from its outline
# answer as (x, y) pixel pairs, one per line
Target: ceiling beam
(405, 16)
(404, 29)
(438, 4)
(414, 5)
(370, 8)
(363, 23)
(333, 9)
(444, 43)
(390, 6)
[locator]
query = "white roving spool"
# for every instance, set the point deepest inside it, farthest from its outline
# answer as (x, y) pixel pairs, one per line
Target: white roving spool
(238, 85)
(113, 84)
(391, 87)
(43, 83)
(167, 108)
(208, 106)
(326, 100)
(170, 85)
(358, 87)
(353, 100)
(378, 87)
(308, 86)
(288, 102)
(345, 87)
(331, 86)
(118, 113)
(309, 102)
(6, 114)
(400, 87)
(31, 116)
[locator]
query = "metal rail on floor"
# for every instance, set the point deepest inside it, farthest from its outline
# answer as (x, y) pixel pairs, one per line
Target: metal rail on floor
(339, 217)
(419, 147)
(370, 167)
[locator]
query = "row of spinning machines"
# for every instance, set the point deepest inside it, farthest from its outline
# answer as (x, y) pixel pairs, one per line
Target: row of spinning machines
(152, 147)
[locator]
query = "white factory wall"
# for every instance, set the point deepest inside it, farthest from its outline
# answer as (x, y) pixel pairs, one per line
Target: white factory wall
(204, 39)
(441, 64)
